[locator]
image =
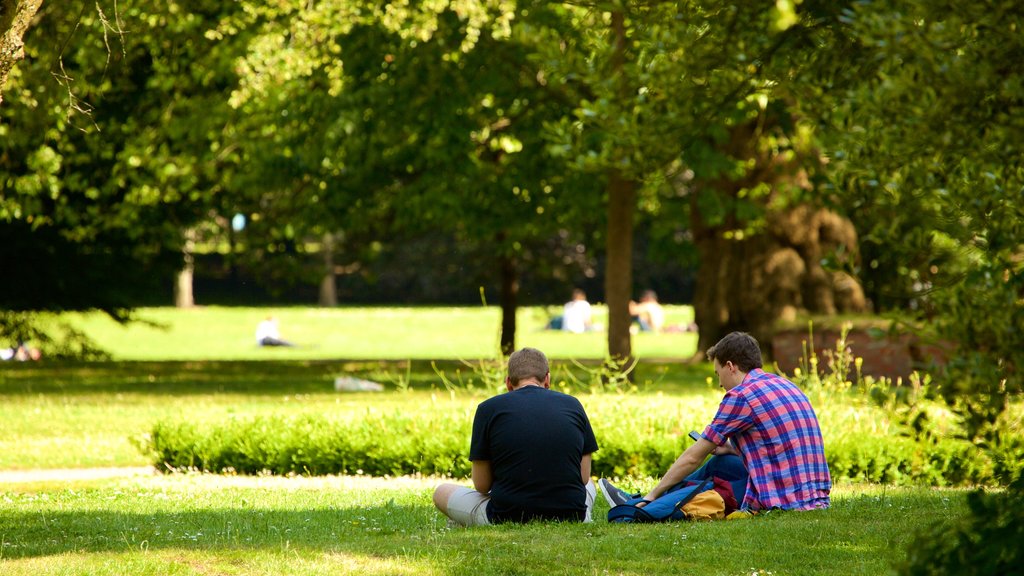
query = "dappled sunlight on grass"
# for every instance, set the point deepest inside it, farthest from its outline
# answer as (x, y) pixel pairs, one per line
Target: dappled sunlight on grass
(185, 560)
(349, 524)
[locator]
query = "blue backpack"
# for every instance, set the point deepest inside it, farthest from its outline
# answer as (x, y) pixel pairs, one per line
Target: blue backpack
(666, 508)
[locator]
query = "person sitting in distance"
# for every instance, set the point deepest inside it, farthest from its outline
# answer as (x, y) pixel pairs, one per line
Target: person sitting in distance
(577, 316)
(267, 333)
(648, 313)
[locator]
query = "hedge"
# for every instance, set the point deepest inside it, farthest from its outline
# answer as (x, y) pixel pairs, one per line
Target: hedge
(437, 443)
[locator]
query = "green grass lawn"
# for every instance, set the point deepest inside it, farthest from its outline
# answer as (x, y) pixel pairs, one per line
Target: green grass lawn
(201, 524)
(219, 333)
(57, 415)
(74, 415)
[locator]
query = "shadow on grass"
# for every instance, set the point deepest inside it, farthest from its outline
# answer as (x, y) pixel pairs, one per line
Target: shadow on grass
(276, 377)
(859, 535)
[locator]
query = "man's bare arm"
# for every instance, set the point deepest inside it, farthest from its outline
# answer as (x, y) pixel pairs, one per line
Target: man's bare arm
(483, 476)
(585, 467)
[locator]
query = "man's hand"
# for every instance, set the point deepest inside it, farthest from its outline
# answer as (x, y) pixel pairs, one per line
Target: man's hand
(726, 449)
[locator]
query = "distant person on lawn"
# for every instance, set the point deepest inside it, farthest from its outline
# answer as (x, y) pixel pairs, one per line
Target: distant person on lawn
(648, 313)
(21, 352)
(776, 458)
(577, 316)
(267, 333)
(531, 453)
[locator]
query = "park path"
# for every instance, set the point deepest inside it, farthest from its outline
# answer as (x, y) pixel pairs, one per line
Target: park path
(72, 474)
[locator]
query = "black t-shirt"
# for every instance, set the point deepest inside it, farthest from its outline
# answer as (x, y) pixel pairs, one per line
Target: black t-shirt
(534, 439)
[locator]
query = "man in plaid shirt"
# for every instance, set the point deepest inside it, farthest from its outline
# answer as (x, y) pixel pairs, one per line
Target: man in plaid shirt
(776, 457)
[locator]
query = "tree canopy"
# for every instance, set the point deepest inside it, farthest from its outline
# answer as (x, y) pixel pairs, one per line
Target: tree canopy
(841, 144)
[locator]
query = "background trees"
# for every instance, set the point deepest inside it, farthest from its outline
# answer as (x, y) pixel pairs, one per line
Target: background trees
(928, 151)
(15, 17)
(110, 152)
(793, 152)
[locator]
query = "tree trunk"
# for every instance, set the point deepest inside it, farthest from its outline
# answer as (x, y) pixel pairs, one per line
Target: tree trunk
(748, 281)
(734, 291)
(328, 285)
(15, 17)
(183, 295)
(509, 303)
(618, 282)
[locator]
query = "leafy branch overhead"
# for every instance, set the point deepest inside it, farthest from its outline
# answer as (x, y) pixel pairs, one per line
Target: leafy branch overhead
(805, 157)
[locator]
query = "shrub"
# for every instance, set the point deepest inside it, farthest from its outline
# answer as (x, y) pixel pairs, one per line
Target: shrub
(375, 445)
(875, 431)
(638, 437)
(985, 542)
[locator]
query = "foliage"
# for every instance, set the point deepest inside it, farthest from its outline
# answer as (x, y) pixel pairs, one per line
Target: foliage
(497, 121)
(984, 542)
(376, 445)
(926, 149)
(110, 147)
(56, 338)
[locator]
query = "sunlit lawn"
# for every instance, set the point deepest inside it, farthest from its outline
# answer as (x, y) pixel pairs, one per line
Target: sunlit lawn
(400, 333)
(198, 524)
(90, 414)
(58, 415)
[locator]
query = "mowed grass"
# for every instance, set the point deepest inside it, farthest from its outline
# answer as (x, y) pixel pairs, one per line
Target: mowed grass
(56, 415)
(201, 524)
(77, 415)
(398, 333)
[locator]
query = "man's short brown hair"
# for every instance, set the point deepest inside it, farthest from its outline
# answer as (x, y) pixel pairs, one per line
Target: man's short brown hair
(527, 363)
(739, 348)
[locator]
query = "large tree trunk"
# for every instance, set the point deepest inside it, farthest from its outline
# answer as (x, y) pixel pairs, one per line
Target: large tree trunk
(618, 282)
(15, 16)
(509, 303)
(738, 288)
(748, 282)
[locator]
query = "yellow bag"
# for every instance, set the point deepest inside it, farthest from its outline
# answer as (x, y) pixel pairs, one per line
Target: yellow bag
(708, 505)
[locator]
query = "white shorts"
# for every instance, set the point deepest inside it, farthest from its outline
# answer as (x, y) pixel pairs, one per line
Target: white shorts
(467, 507)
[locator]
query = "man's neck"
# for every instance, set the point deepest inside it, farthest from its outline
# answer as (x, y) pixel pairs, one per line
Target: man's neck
(525, 383)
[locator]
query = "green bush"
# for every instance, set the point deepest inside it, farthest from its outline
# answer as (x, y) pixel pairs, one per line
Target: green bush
(875, 431)
(633, 443)
(984, 542)
(902, 460)
(313, 445)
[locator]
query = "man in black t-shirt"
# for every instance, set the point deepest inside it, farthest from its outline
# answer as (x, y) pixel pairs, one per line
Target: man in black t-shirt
(531, 454)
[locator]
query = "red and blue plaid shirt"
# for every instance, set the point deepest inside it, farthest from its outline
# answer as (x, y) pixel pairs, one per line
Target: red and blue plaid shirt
(776, 432)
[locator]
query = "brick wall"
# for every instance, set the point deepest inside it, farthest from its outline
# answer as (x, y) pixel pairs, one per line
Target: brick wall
(893, 356)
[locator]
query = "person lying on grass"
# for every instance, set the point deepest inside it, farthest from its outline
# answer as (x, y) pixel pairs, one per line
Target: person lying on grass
(776, 456)
(531, 453)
